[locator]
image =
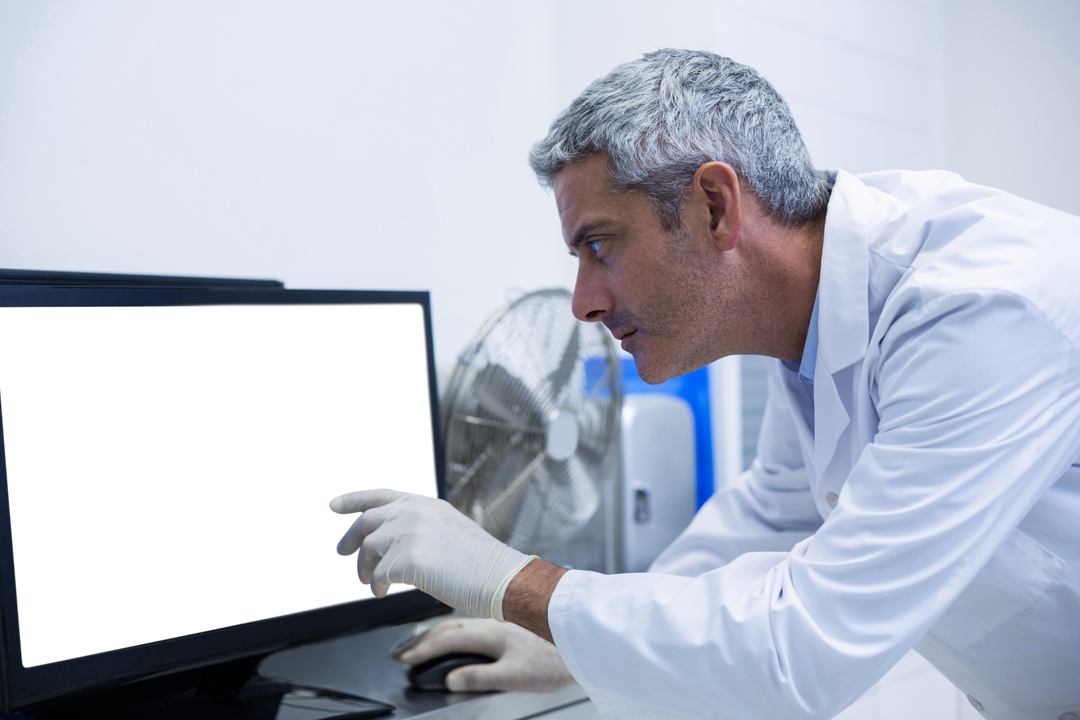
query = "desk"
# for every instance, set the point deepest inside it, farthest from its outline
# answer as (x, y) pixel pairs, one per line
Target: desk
(361, 664)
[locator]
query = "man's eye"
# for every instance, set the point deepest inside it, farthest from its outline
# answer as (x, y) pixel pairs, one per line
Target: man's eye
(596, 245)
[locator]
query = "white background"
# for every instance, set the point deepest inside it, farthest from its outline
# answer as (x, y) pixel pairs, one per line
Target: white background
(358, 144)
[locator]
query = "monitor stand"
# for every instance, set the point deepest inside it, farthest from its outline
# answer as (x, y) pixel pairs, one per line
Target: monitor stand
(231, 691)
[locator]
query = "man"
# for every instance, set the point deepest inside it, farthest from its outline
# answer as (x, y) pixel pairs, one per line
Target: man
(915, 483)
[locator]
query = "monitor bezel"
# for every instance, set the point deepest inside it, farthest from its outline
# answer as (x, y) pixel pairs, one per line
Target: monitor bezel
(23, 687)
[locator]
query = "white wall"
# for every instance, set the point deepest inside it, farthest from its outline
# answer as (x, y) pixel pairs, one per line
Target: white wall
(860, 76)
(1012, 101)
(327, 144)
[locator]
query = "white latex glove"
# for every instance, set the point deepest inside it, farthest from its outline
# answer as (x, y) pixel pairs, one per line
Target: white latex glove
(428, 544)
(523, 662)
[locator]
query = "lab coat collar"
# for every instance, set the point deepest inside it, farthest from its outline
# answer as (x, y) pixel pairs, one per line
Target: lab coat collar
(844, 322)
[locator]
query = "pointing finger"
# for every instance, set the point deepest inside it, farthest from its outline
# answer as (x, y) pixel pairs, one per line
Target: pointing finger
(355, 501)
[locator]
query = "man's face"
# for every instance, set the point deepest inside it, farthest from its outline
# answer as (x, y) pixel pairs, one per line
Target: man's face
(656, 290)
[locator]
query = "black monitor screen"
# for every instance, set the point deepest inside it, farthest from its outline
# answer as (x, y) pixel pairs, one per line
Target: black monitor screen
(169, 460)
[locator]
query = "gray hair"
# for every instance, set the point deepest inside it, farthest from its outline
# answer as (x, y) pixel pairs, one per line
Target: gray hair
(660, 118)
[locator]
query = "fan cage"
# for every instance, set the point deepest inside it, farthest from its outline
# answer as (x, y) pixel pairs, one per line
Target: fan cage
(531, 363)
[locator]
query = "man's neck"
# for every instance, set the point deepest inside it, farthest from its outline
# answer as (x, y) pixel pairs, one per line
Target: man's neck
(786, 268)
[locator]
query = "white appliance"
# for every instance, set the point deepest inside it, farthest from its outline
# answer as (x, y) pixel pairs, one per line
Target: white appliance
(657, 491)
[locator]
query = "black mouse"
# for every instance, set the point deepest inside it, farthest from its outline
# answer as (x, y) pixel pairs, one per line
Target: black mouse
(431, 674)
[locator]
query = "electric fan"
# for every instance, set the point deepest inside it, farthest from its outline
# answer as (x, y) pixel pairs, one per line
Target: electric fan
(530, 422)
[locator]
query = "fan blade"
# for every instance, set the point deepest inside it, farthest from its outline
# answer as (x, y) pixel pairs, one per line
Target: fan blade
(558, 487)
(557, 503)
(515, 485)
(507, 397)
(584, 485)
(561, 375)
(469, 473)
(592, 453)
(498, 424)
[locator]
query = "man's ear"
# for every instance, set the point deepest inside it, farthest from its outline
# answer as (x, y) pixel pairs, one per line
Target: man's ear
(717, 195)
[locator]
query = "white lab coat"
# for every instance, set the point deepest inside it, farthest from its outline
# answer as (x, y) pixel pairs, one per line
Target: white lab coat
(943, 425)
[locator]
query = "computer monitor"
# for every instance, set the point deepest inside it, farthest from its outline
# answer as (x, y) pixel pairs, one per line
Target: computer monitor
(168, 459)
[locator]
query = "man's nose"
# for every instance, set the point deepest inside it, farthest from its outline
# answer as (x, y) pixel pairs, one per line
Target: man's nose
(592, 300)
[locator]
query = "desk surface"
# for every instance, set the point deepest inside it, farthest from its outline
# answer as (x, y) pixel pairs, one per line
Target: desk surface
(361, 664)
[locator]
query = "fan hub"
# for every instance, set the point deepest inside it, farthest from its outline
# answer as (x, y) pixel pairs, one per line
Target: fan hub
(561, 437)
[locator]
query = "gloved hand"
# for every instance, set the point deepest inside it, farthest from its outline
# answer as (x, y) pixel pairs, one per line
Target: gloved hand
(428, 544)
(523, 662)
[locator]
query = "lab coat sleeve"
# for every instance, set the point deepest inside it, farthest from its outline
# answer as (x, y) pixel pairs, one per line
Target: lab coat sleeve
(768, 507)
(978, 397)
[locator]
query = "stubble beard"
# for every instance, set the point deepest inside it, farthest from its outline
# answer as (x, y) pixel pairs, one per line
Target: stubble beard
(679, 320)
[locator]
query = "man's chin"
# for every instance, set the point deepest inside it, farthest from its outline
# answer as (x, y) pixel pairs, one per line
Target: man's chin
(651, 371)
(655, 370)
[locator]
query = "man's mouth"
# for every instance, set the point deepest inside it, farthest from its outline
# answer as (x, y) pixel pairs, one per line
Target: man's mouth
(623, 327)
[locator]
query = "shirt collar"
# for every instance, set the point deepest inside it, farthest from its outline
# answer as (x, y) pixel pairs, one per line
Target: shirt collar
(805, 366)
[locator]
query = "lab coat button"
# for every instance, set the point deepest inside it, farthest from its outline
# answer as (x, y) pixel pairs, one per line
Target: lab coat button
(1068, 716)
(831, 498)
(975, 703)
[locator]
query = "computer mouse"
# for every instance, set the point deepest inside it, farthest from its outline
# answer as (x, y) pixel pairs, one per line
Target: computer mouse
(431, 674)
